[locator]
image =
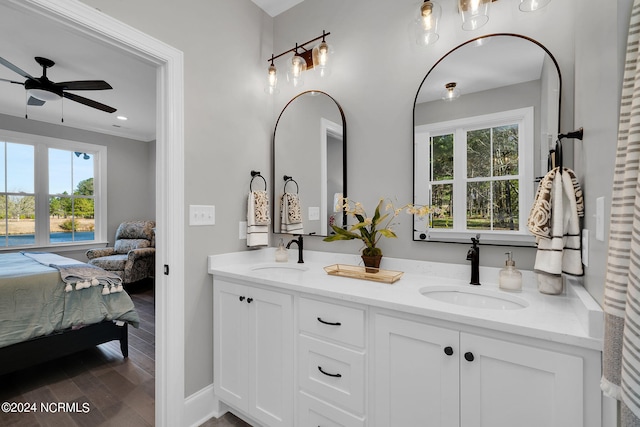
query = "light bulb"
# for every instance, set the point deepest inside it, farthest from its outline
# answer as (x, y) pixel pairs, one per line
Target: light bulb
(272, 81)
(294, 74)
(426, 23)
(320, 54)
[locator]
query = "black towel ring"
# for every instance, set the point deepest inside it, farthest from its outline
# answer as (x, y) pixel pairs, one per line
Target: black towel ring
(255, 174)
(288, 179)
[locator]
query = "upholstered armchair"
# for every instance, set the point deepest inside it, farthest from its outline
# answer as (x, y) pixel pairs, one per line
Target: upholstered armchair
(132, 256)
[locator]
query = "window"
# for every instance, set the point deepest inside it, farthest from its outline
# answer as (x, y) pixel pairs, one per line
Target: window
(478, 173)
(50, 192)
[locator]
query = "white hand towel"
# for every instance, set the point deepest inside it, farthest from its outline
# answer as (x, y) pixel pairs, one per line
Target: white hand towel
(257, 235)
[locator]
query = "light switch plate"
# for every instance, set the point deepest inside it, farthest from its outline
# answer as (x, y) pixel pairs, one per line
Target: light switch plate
(202, 215)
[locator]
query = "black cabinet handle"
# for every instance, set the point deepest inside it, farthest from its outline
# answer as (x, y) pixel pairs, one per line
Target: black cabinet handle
(469, 356)
(328, 374)
(249, 300)
(241, 298)
(448, 350)
(329, 323)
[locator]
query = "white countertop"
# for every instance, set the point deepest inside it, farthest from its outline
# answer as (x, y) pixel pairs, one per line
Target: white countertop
(572, 318)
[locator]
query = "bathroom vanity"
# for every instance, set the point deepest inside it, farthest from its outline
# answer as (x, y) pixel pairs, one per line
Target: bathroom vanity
(294, 346)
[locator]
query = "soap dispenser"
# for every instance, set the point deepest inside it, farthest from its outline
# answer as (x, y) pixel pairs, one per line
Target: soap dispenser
(282, 255)
(510, 277)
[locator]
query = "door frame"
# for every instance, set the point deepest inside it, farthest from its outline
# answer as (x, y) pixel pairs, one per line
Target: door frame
(169, 275)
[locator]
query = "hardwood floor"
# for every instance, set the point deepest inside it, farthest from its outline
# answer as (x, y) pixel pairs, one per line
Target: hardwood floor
(97, 387)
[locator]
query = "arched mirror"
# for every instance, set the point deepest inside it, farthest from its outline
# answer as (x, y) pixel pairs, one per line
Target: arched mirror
(485, 117)
(309, 165)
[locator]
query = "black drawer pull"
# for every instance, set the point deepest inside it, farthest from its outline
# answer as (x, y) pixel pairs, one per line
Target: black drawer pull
(249, 300)
(448, 350)
(329, 323)
(329, 375)
(241, 298)
(469, 356)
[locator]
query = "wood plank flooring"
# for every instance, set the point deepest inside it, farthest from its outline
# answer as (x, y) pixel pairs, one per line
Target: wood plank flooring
(98, 386)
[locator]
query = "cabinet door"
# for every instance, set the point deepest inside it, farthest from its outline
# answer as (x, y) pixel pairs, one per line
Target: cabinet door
(231, 344)
(415, 380)
(507, 384)
(271, 349)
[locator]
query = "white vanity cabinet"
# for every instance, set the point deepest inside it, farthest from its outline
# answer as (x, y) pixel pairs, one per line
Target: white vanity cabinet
(331, 364)
(253, 351)
(436, 376)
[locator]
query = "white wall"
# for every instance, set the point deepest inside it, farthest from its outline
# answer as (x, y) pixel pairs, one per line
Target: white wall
(228, 126)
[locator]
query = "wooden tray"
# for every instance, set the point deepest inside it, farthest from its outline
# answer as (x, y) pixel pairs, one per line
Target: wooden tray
(364, 273)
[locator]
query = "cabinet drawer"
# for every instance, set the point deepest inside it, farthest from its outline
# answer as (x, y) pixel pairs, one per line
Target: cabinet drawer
(333, 321)
(332, 373)
(313, 413)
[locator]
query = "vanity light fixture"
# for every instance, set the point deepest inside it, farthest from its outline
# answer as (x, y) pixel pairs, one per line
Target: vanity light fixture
(532, 5)
(474, 13)
(303, 59)
(426, 23)
(450, 92)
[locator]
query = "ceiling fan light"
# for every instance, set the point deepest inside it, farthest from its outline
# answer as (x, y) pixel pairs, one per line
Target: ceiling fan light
(43, 95)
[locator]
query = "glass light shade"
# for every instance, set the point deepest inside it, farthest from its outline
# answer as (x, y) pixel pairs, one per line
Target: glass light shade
(474, 13)
(297, 67)
(43, 95)
(320, 55)
(450, 92)
(272, 81)
(532, 5)
(426, 24)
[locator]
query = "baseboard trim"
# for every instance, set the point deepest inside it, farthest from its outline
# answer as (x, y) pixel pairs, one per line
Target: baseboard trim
(201, 406)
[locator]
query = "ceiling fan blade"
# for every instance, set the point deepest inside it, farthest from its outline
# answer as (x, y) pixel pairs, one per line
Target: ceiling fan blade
(11, 81)
(35, 101)
(12, 67)
(88, 102)
(84, 85)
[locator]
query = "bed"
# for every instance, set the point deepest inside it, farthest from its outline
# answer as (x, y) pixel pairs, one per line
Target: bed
(46, 312)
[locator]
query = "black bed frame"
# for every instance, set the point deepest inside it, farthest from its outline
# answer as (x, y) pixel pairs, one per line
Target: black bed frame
(37, 350)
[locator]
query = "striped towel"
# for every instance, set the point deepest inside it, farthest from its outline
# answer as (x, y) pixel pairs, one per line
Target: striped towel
(290, 214)
(621, 358)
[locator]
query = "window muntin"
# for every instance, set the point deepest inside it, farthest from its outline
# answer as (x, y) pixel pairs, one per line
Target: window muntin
(50, 191)
(477, 172)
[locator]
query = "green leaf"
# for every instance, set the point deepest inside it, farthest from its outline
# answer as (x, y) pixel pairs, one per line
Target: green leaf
(387, 233)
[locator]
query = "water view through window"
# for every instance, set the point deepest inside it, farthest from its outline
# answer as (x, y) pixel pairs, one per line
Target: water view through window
(71, 214)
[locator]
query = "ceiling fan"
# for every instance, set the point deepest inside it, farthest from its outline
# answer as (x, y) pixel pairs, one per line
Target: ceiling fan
(41, 89)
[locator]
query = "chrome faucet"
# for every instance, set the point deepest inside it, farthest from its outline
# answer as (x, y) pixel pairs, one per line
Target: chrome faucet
(298, 242)
(474, 256)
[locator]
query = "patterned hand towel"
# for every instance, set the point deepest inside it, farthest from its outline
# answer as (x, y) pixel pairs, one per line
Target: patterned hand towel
(290, 214)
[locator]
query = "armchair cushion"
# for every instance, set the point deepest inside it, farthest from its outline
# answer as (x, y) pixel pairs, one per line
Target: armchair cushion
(99, 252)
(123, 246)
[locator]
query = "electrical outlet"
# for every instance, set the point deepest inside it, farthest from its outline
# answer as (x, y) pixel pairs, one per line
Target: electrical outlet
(314, 213)
(585, 247)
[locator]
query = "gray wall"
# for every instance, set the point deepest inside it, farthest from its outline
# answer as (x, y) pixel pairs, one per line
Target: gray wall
(377, 72)
(130, 171)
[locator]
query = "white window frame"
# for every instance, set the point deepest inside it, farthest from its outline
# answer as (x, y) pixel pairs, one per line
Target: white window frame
(524, 117)
(41, 146)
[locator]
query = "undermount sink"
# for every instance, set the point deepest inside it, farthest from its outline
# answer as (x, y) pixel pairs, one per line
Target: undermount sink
(276, 266)
(475, 297)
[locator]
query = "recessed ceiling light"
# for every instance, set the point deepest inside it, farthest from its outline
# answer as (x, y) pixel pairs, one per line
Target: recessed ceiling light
(122, 118)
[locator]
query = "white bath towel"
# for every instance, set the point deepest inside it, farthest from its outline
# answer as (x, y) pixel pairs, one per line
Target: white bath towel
(291, 214)
(257, 234)
(555, 221)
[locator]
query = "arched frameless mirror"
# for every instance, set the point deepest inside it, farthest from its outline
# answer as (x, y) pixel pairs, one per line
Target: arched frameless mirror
(309, 148)
(485, 116)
